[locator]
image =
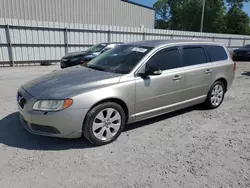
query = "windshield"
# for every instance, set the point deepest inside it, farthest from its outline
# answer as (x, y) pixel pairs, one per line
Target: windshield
(246, 46)
(96, 48)
(121, 59)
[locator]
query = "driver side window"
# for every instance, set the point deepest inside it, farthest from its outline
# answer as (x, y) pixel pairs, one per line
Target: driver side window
(165, 59)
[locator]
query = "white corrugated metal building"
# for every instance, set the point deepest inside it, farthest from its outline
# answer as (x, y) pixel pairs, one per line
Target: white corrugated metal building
(102, 12)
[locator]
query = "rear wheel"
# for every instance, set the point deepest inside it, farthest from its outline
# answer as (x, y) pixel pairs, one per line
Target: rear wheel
(104, 123)
(215, 95)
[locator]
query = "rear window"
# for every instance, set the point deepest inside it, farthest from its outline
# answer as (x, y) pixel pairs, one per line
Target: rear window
(216, 53)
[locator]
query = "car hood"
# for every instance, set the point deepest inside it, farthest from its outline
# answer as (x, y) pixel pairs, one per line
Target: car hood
(69, 82)
(76, 54)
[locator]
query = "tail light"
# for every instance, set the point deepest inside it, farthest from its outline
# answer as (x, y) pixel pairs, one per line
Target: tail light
(231, 56)
(234, 62)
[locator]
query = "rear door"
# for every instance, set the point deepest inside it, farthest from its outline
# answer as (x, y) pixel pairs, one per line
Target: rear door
(198, 71)
(222, 65)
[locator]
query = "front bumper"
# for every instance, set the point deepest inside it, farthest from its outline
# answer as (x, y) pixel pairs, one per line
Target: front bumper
(63, 64)
(65, 124)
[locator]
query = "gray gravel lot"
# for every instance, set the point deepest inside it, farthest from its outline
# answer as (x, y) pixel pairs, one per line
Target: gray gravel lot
(193, 147)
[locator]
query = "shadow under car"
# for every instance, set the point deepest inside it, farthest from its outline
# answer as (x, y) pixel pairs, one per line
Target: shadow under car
(13, 134)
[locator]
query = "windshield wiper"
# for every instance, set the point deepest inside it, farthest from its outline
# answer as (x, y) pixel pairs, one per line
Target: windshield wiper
(96, 68)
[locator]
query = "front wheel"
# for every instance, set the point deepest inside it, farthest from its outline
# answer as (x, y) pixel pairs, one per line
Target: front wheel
(104, 123)
(215, 95)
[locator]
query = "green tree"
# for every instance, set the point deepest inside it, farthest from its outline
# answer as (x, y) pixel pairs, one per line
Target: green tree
(214, 16)
(186, 14)
(162, 9)
(237, 21)
(162, 24)
(237, 3)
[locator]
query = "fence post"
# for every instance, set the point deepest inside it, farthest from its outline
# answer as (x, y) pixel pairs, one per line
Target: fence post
(244, 41)
(109, 36)
(143, 36)
(10, 50)
(66, 41)
(230, 41)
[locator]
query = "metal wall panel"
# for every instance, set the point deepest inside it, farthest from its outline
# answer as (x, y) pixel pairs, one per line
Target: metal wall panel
(102, 12)
(31, 41)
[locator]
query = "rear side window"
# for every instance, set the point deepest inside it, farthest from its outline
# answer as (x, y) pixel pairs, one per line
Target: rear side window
(216, 53)
(194, 56)
(166, 59)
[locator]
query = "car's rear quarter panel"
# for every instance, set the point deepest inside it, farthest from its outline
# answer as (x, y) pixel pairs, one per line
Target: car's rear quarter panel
(223, 70)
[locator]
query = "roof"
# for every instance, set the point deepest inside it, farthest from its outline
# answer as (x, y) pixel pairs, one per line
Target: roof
(114, 43)
(107, 43)
(138, 4)
(154, 43)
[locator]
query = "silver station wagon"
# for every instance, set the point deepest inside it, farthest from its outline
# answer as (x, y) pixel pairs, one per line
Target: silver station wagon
(129, 83)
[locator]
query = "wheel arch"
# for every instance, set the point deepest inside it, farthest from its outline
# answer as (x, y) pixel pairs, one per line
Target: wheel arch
(224, 81)
(115, 100)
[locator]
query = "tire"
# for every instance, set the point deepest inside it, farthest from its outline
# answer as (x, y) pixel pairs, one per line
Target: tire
(215, 95)
(63, 66)
(104, 123)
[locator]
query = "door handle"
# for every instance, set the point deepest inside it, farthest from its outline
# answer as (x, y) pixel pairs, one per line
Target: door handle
(177, 77)
(208, 71)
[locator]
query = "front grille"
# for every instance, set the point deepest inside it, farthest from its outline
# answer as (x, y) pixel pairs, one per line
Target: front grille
(44, 129)
(21, 100)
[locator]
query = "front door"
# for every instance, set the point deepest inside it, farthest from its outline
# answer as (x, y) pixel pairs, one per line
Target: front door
(154, 94)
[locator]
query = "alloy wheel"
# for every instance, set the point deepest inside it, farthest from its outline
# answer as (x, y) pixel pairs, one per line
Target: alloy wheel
(106, 124)
(217, 95)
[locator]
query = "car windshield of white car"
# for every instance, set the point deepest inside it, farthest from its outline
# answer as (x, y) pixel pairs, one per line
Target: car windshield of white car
(96, 48)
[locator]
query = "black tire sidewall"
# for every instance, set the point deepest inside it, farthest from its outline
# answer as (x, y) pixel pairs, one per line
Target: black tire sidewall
(208, 101)
(87, 125)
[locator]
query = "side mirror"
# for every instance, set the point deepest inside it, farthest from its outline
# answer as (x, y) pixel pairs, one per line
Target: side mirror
(153, 71)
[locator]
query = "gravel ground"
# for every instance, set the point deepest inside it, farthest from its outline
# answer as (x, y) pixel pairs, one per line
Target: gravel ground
(193, 147)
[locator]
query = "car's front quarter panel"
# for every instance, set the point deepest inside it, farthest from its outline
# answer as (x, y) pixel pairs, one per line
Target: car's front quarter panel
(124, 90)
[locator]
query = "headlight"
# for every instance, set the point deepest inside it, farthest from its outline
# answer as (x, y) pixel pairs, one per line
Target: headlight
(52, 105)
